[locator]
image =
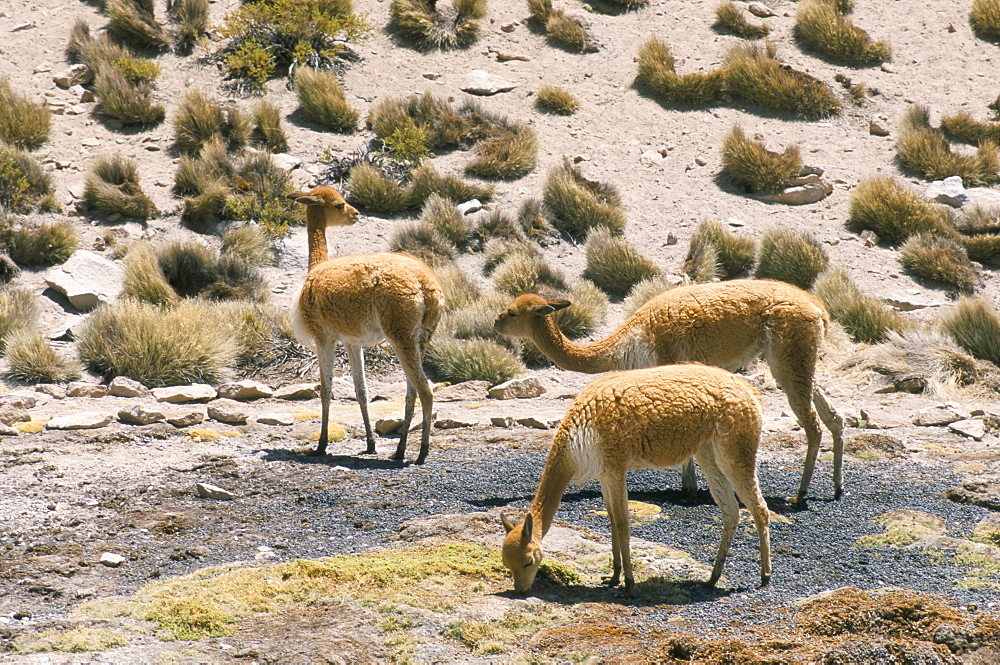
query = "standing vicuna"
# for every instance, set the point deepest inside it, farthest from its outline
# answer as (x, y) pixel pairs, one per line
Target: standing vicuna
(726, 324)
(649, 418)
(359, 301)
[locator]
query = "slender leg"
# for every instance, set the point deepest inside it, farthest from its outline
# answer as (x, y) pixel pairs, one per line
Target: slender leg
(835, 423)
(324, 356)
(743, 477)
(411, 398)
(356, 356)
(615, 494)
(416, 384)
(796, 380)
(689, 482)
(722, 492)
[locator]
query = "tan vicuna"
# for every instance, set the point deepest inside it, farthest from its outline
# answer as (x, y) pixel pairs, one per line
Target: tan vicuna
(360, 301)
(726, 324)
(649, 418)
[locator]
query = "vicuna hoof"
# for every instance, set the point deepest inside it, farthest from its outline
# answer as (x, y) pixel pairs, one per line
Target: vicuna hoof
(765, 581)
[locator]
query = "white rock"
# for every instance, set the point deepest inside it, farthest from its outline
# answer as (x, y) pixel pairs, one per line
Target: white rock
(469, 207)
(811, 192)
(502, 421)
(84, 389)
(949, 191)
(112, 560)
(82, 420)
(285, 161)
(454, 423)
(974, 428)
(122, 386)
(227, 411)
(464, 391)
(877, 127)
(909, 303)
(276, 418)
(207, 491)
(480, 82)
(185, 417)
(197, 392)
(86, 279)
(532, 422)
(140, 414)
(244, 390)
(517, 389)
(298, 391)
(652, 158)
(760, 10)
(431, 76)
(936, 416)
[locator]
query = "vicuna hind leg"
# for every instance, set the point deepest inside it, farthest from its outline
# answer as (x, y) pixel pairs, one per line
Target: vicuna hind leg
(835, 423)
(689, 481)
(356, 356)
(417, 385)
(792, 367)
(722, 493)
(742, 475)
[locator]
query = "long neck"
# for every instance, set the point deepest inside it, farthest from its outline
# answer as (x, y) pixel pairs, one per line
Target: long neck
(559, 471)
(316, 235)
(591, 358)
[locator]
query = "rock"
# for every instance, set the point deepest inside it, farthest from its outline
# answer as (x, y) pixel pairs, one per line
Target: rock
(9, 416)
(877, 127)
(298, 391)
(185, 417)
(464, 391)
(984, 197)
(83, 389)
(517, 389)
(910, 302)
(7, 430)
(671, 239)
(869, 238)
(17, 401)
(882, 418)
(197, 392)
(86, 279)
(28, 25)
(122, 386)
(949, 191)
(227, 411)
(509, 27)
(112, 560)
(469, 207)
(394, 424)
(286, 162)
(811, 192)
(936, 416)
(480, 82)
(275, 418)
(52, 390)
(974, 428)
(760, 10)
(431, 76)
(207, 491)
(531, 421)
(453, 423)
(978, 493)
(82, 420)
(507, 57)
(502, 421)
(140, 414)
(652, 158)
(244, 390)
(735, 222)
(75, 75)
(887, 68)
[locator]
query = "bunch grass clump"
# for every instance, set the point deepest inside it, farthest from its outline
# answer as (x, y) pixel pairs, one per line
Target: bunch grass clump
(426, 181)
(753, 72)
(371, 189)
(978, 231)
(134, 23)
(750, 164)
(925, 151)
(974, 324)
(577, 206)
(703, 264)
(423, 241)
(614, 265)
(494, 225)
(112, 186)
(825, 29)
(791, 257)
(440, 214)
(508, 152)
(268, 131)
(646, 290)
(23, 181)
(427, 27)
(729, 17)
(498, 250)
(32, 359)
(130, 103)
(144, 280)
(553, 99)
(939, 259)
(189, 343)
(984, 15)
(200, 119)
(963, 127)
(565, 31)
(457, 360)
(459, 290)
(194, 271)
(41, 246)
(733, 254)
(656, 73)
(24, 124)
(265, 342)
(322, 100)
(191, 18)
(891, 210)
(248, 242)
(19, 310)
(527, 273)
(587, 313)
(866, 320)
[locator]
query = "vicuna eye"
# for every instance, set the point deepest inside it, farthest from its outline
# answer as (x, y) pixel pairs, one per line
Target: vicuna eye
(528, 565)
(340, 206)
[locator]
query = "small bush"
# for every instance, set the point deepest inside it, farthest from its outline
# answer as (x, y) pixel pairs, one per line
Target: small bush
(456, 360)
(248, 242)
(984, 16)
(133, 24)
(441, 215)
(498, 250)
(729, 17)
(702, 264)
(267, 129)
(748, 163)
(577, 205)
(532, 220)
(49, 244)
(459, 290)
(507, 154)
(130, 103)
(18, 310)
(23, 181)
(754, 73)
(424, 242)
(867, 320)
(200, 119)
(475, 320)
(31, 359)
(975, 326)
(939, 260)
(112, 186)
(24, 124)
(553, 99)
(827, 31)
(733, 254)
(925, 151)
(426, 181)
(322, 100)
(893, 211)
(8, 269)
(144, 280)
(442, 125)
(614, 265)
(193, 270)
(158, 347)
(566, 31)
(495, 225)
(963, 127)
(372, 190)
(263, 336)
(95, 52)
(791, 257)
(587, 314)
(191, 17)
(645, 291)
(656, 73)
(407, 145)
(525, 273)
(420, 22)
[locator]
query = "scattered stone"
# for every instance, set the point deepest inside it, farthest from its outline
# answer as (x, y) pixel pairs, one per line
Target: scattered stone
(185, 418)
(949, 191)
(652, 158)
(671, 239)
(214, 492)
(84, 389)
(82, 420)
(760, 10)
(517, 389)
(974, 428)
(298, 391)
(197, 392)
(507, 57)
(454, 423)
(394, 424)
(869, 238)
(936, 416)
(978, 493)
(432, 76)
(808, 170)
(274, 418)
(882, 418)
(9, 416)
(479, 82)
(877, 127)
(285, 161)
(469, 207)
(112, 560)
(85, 96)
(86, 279)
(464, 391)
(122, 386)
(502, 421)
(52, 390)
(509, 27)
(140, 414)
(17, 401)
(245, 390)
(887, 68)
(735, 222)
(910, 302)
(810, 192)
(531, 421)
(227, 411)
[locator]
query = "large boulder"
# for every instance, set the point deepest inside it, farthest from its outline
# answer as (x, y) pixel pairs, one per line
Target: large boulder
(86, 279)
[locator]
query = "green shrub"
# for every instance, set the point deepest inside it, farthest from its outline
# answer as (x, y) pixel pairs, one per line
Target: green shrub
(827, 31)
(729, 17)
(985, 18)
(18, 310)
(23, 180)
(753, 72)
(791, 257)
(49, 244)
(750, 164)
(322, 100)
(526, 273)
(133, 24)
(456, 360)
(894, 212)
(31, 359)
(925, 151)
(645, 291)
(656, 73)
(577, 206)
(435, 118)
(112, 186)
(200, 119)
(191, 17)
(733, 254)
(867, 320)
(426, 181)
(423, 241)
(24, 124)
(454, 26)
(441, 215)
(939, 260)
(130, 103)
(158, 347)
(553, 99)
(614, 265)
(975, 326)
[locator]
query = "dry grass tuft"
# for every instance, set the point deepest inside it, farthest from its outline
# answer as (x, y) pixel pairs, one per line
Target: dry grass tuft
(424, 242)
(577, 206)
(586, 314)
(134, 24)
(48, 244)
(322, 100)
(553, 99)
(497, 224)
(144, 280)
(459, 290)
(508, 153)
(827, 31)
(372, 190)
(194, 271)
(191, 17)
(656, 73)
(566, 31)
(867, 320)
(457, 360)
(440, 214)
(925, 151)
(712, 244)
(646, 290)
(974, 324)
(19, 310)
(31, 359)
(426, 181)
(23, 180)
(729, 17)
(248, 242)
(753, 72)
(130, 103)
(267, 129)
(112, 186)
(24, 124)
(893, 211)
(527, 273)
(791, 257)
(614, 265)
(454, 26)
(498, 250)
(963, 127)
(702, 264)
(984, 15)
(750, 164)
(442, 125)
(939, 260)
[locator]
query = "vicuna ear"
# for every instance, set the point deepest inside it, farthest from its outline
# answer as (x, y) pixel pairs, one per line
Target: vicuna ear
(507, 524)
(529, 524)
(304, 199)
(550, 306)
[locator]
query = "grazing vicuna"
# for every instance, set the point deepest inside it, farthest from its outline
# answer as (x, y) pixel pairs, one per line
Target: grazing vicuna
(359, 301)
(649, 418)
(725, 324)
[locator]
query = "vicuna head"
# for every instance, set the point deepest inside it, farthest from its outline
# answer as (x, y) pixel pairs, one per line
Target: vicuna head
(522, 554)
(524, 313)
(325, 203)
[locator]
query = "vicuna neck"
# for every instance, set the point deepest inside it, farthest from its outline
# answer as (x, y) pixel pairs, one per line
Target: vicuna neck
(316, 235)
(590, 359)
(559, 471)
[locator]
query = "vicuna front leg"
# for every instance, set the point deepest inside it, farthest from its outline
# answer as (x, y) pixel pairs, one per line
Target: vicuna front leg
(615, 493)
(356, 357)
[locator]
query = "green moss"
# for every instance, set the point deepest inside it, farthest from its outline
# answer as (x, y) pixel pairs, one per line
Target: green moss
(902, 528)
